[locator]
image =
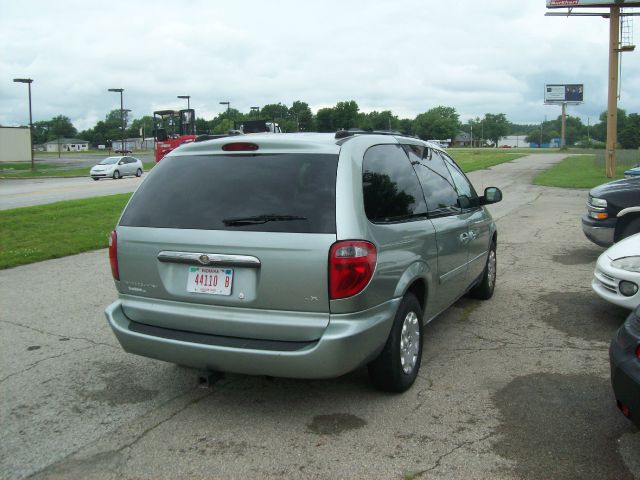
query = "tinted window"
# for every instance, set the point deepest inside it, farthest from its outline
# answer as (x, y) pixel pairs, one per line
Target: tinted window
(391, 189)
(438, 186)
(237, 192)
(462, 183)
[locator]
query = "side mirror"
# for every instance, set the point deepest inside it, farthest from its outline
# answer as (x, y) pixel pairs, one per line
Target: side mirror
(491, 195)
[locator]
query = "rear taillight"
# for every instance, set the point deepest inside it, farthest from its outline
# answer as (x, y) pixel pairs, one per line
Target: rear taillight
(638, 351)
(113, 255)
(240, 147)
(351, 266)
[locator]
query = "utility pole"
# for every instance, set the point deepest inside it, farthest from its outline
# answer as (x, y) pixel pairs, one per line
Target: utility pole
(612, 114)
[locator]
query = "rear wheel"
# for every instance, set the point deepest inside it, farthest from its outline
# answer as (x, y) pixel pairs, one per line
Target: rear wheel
(484, 290)
(396, 368)
(116, 175)
(139, 172)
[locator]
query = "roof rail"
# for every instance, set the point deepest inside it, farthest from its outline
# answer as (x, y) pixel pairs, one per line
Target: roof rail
(357, 131)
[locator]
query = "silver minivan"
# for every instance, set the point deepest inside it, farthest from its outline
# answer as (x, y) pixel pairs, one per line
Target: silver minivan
(299, 255)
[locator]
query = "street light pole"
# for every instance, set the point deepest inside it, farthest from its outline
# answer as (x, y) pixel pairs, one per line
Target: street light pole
(120, 90)
(187, 97)
(228, 104)
(29, 81)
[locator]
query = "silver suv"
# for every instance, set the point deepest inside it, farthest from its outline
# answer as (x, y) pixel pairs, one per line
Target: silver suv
(299, 255)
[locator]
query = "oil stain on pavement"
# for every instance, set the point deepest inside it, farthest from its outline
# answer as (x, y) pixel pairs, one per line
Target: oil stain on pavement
(578, 256)
(335, 424)
(561, 427)
(583, 315)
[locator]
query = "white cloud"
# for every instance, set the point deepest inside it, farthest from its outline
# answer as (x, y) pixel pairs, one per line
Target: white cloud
(406, 56)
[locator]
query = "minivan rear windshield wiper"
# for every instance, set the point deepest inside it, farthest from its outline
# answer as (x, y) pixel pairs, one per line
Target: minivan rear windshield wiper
(258, 219)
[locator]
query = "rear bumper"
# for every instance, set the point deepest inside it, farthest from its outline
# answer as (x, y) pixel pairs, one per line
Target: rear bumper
(600, 232)
(349, 341)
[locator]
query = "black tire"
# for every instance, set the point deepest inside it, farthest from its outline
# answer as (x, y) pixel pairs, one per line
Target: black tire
(387, 371)
(116, 175)
(139, 172)
(95, 178)
(484, 290)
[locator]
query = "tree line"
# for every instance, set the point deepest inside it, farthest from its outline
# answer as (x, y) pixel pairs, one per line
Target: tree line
(439, 123)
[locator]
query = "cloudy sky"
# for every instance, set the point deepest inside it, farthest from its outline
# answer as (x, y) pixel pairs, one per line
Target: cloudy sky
(490, 56)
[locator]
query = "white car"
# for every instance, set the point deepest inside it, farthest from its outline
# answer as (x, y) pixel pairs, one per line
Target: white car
(117, 167)
(617, 274)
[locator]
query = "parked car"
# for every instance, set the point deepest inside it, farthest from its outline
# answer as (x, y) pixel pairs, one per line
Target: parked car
(632, 172)
(624, 356)
(617, 274)
(613, 212)
(117, 167)
(299, 255)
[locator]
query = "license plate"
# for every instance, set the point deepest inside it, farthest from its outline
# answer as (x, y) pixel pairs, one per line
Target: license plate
(213, 281)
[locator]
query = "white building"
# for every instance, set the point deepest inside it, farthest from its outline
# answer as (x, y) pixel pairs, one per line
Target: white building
(67, 145)
(132, 144)
(513, 141)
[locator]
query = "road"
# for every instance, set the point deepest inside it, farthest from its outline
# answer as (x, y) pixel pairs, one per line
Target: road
(513, 388)
(25, 193)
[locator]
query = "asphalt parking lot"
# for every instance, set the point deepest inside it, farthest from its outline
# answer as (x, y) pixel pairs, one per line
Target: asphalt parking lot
(513, 388)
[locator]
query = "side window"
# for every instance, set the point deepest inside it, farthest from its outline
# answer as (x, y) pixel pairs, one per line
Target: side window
(438, 186)
(391, 189)
(463, 185)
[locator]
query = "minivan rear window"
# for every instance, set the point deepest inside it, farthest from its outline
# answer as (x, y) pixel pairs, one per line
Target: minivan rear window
(258, 192)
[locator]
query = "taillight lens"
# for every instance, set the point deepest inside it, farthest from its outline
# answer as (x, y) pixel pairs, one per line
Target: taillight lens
(351, 266)
(638, 351)
(113, 255)
(240, 147)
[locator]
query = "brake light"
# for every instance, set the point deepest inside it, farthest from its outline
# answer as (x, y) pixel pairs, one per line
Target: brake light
(240, 147)
(638, 351)
(113, 255)
(351, 266)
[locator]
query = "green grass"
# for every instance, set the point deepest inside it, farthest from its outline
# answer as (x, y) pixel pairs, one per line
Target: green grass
(479, 159)
(33, 234)
(580, 171)
(23, 170)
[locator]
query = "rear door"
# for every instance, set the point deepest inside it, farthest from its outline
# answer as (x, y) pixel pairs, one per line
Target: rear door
(449, 221)
(247, 231)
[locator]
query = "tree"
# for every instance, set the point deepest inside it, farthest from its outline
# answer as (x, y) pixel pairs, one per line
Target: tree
(140, 126)
(274, 112)
(629, 136)
(345, 115)
(303, 115)
(495, 126)
(599, 130)
(324, 120)
(439, 123)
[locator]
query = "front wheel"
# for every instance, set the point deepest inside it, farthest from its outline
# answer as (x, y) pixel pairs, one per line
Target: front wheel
(116, 175)
(139, 172)
(484, 290)
(396, 368)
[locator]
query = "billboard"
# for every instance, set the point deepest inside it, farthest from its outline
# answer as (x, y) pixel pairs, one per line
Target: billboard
(564, 93)
(591, 3)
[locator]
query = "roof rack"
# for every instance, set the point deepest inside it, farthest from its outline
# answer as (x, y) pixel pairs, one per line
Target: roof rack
(357, 131)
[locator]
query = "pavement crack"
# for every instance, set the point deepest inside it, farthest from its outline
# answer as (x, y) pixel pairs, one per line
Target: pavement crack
(57, 335)
(440, 459)
(35, 364)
